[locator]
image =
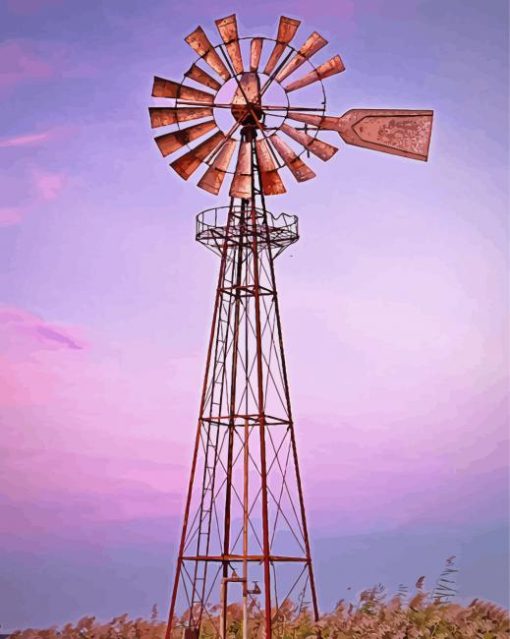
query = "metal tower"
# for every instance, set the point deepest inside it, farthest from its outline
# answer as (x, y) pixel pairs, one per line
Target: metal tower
(244, 554)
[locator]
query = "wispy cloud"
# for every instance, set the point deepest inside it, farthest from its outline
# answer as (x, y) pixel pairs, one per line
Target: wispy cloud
(29, 139)
(10, 215)
(29, 7)
(17, 324)
(19, 63)
(48, 184)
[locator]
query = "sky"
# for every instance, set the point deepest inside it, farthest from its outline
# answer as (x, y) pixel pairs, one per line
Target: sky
(394, 305)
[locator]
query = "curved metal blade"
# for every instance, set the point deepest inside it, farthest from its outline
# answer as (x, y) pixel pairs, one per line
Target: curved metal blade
(321, 149)
(241, 183)
(199, 75)
(170, 142)
(286, 31)
(314, 43)
(212, 179)
(297, 167)
(169, 89)
(164, 116)
(255, 51)
(331, 67)
(188, 163)
(227, 28)
(397, 131)
(271, 181)
(199, 42)
(323, 122)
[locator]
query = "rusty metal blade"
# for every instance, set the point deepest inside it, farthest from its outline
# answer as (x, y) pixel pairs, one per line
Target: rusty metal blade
(321, 149)
(286, 31)
(398, 131)
(199, 75)
(324, 122)
(331, 67)
(199, 42)
(314, 43)
(169, 89)
(213, 178)
(164, 116)
(255, 51)
(188, 163)
(271, 182)
(170, 142)
(241, 183)
(227, 28)
(297, 167)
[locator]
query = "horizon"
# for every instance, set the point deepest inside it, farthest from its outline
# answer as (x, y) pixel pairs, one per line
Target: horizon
(400, 274)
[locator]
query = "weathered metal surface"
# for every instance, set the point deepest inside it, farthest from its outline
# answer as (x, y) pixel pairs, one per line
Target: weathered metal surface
(314, 43)
(200, 43)
(241, 184)
(286, 31)
(188, 163)
(199, 75)
(255, 51)
(271, 181)
(171, 142)
(163, 88)
(324, 122)
(297, 167)
(246, 101)
(164, 116)
(321, 149)
(213, 178)
(227, 28)
(331, 67)
(396, 131)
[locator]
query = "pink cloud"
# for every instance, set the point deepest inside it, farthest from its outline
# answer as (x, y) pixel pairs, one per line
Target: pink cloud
(49, 184)
(29, 7)
(10, 215)
(29, 139)
(19, 325)
(19, 63)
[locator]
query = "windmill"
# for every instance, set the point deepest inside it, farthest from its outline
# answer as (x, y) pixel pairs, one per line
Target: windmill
(252, 109)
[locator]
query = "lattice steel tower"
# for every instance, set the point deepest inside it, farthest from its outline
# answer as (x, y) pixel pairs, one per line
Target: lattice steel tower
(244, 547)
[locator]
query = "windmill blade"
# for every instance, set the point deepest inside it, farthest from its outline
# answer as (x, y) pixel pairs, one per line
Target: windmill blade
(331, 67)
(169, 89)
(227, 28)
(314, 43)
(213, 178)
(397, 131)
(255, 51)
(199, 42)
(199, 75)
(170, 142)
(164, 116)
(241, 183)
(323, 122)
(297, 167)
(321, 149)
(188, 163)
(286, 31)
(271, 181)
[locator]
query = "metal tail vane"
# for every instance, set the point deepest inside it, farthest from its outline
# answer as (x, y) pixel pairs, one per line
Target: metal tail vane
(251, 109)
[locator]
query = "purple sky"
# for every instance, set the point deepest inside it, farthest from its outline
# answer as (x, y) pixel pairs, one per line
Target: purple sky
(394, 304)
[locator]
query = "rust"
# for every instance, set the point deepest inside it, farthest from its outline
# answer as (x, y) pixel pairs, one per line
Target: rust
(227, 28)
(255, 51)
(271, 181)
(246, 100)
(286, 31)
(188, 163)
(164, 116)
(313, 44)
(297, 167)
(397, 131)
(321, 149)
(241, 184)
(200, 43)
(199, 75)
(171, 142)
(163, 88)
(212, 179)
(329, 68)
